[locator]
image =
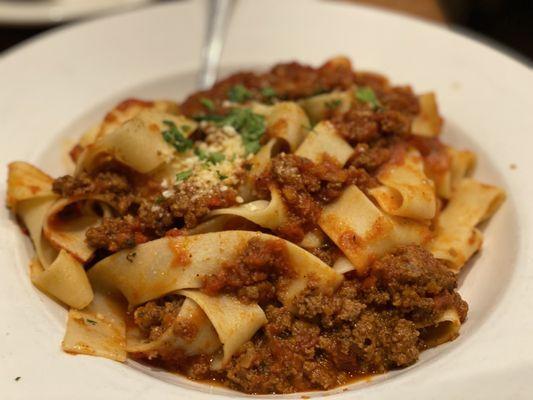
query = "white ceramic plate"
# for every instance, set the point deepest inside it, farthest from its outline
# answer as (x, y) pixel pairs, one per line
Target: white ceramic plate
(45, 12)
(57, 86)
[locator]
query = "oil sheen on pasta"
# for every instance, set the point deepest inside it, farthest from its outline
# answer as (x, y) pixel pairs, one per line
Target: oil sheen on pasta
(283, 231)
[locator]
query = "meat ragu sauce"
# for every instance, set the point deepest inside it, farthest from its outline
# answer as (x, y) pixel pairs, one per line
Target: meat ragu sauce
(370, 324)
(367, 326)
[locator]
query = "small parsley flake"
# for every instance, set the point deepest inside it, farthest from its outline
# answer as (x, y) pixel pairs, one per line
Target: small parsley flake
(367, 95)
(159, 200)
(175, 136)
(90, 321)
(250, 126)
(268, 92)
(210, 158)
(207, 103)
(202, 155)
(184, 175)
(215, 158)
(239, 94)
(332, 104)
(221, 176)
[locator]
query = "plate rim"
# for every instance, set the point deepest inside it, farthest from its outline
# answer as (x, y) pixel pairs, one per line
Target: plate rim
(523, 254)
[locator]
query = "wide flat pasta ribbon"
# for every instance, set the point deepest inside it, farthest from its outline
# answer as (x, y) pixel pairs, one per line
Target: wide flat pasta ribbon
(205, 339)
(55, 272)
(457, 237)
(172, 264)
(269, 214)
(406, 191)
(428, 122)
(130, 108)
(235, 323)
(288, 121)
(444, 329)
(363, 232)
(138, 143)
(461, 165)
(318, 107)
(324, 139)
(69, 233)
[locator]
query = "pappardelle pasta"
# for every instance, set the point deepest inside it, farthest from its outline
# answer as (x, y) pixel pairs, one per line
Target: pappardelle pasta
(283, 231)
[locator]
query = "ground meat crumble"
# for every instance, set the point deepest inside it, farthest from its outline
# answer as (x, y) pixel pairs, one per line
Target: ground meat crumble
(370, 324)
(306, 187)
(367, 326)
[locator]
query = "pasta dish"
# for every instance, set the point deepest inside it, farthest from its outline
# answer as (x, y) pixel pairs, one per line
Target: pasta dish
(283, 231)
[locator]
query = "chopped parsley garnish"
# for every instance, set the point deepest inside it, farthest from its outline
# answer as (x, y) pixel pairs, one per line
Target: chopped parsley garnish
(239, 94)
(332, 104)
(213, 158)
(207, 103)
(175, 136)
(90, 321)
(159, 200)
(221, 176)
(184, 175)
(250, 126)
(367, 95)
(202, 155)
(268, 92)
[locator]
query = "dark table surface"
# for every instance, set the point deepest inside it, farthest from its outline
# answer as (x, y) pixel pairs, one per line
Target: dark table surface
(506, 22)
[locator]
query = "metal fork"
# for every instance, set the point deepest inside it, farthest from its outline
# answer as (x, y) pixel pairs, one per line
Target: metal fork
(218, 17)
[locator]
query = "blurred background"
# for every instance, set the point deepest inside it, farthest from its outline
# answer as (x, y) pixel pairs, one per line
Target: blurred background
(506, 23)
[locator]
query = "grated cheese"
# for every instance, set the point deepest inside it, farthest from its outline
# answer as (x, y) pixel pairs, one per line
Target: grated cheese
(216, 162)
(167, 193)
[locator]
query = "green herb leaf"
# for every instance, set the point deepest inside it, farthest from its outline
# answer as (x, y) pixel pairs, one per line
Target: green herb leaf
(252, 147)
(268, 92)
(367, 95)
(221, 176)
(174, 136)
(90, 321)
(184, 175)
(239, 94)
(250, 126)
(215, 157)
(207, 103)
(332, 104)
(202, 155)
(159, 199)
